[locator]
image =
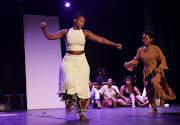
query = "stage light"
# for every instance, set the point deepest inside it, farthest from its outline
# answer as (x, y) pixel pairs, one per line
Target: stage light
(67, 4)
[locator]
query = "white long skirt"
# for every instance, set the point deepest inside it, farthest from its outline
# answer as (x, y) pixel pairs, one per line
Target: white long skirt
(74, 76)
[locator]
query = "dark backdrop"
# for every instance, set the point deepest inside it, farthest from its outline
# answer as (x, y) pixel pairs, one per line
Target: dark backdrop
(119, 21)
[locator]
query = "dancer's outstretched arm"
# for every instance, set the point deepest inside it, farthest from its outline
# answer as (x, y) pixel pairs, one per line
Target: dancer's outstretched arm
(60, 34)
(93, 37)
(131, 64)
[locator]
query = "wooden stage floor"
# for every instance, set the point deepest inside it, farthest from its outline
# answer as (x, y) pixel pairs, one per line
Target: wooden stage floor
(108, 116)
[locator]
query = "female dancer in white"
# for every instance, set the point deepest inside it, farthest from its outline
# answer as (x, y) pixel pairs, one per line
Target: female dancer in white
(74, 69)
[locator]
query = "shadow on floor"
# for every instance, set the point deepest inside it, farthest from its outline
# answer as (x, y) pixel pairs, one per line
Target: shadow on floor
(76, 122)
(170, 114)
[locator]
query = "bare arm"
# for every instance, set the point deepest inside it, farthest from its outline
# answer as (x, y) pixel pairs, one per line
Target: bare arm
(117, 94)
(131, 64)
(92, 36)
(54, 36)
(136, 90)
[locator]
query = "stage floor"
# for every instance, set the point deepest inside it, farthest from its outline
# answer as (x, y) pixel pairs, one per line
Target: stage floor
(109, 116)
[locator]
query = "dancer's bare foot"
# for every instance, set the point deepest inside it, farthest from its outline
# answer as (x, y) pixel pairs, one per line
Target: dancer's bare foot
(153, 111)
(68, 107)
(82, 117)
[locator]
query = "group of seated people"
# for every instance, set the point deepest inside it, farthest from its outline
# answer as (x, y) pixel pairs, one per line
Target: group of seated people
(108, 95)
(105, 94)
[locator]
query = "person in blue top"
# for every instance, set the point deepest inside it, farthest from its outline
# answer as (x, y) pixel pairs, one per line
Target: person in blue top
(101, 77)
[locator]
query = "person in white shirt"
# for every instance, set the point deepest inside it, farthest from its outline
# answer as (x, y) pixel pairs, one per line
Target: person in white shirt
(110, 94)
(95, 97)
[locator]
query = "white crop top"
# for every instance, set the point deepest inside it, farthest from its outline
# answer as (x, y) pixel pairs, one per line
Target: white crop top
(75, 40)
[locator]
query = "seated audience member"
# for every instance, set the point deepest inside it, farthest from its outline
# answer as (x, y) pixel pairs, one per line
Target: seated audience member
(110, 92)
(95, 97)
(101, 77)
(90, 85)
(129, 92)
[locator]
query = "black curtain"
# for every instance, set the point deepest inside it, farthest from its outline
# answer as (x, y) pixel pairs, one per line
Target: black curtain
(161, 17)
